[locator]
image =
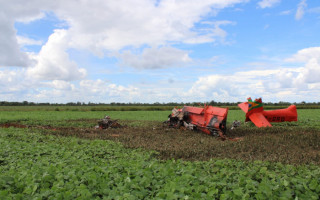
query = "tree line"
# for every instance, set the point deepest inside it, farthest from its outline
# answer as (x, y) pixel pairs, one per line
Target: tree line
(211, 103)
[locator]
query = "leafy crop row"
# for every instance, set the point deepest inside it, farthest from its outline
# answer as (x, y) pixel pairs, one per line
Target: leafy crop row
(38, 166)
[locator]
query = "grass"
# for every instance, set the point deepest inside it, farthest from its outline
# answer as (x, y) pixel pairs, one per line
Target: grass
(306, 117)
(43, 166)
(290, 142)
(49, 154)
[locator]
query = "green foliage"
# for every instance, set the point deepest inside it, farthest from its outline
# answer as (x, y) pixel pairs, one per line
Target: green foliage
(77, 118)
(308, 118)
(88, 108)
(37, 166)
(42, 166)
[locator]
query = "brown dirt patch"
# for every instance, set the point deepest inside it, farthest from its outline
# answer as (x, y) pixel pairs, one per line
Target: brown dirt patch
(290, 146)
(15, 125)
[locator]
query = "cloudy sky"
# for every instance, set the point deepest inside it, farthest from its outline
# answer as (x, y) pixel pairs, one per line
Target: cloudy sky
(159, 50)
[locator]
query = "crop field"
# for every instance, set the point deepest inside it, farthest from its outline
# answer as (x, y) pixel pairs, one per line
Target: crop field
(57, 154)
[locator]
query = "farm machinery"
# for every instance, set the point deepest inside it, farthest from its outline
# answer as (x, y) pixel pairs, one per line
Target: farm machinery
(212, 120)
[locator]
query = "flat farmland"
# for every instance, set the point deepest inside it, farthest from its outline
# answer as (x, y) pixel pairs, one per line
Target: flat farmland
(307, 118)
(57, 154)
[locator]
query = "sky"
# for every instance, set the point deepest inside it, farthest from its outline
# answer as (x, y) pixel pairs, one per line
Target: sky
(163, 51)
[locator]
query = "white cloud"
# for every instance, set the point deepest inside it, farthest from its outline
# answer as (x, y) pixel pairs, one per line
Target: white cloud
(7, 78)
(237, 87)
(229, 87)
(84, 91)
(14, 83)
(155, 58)
(301, 9)
(268, 3)
(105, 26)
(25, 12)
(16, 86)
(311, 72)
(31, 16)
(300, 83)
(61, 85)
(24, 41)
(101, 27)
(10, 54)
(17, 11)
(118, 24)
(99, 87)
(305, 55)
(91, 90)
(287, 84)
(211, 34)
(112, 27)
(53, 62)
(286, 12)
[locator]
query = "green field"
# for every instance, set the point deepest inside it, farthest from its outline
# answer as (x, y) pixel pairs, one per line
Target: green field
(306, 117)
(56, 154)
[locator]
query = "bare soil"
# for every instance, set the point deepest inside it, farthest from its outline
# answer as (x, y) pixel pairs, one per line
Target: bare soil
(275, 144)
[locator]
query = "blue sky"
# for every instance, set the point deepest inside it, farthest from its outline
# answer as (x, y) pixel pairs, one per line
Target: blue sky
(160, 51)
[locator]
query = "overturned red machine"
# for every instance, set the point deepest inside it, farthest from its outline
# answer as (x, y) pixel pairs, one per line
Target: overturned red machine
(262, 118)
(209, 119)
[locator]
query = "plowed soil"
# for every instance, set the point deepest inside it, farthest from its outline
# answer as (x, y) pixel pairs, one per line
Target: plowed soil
(276, 144)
